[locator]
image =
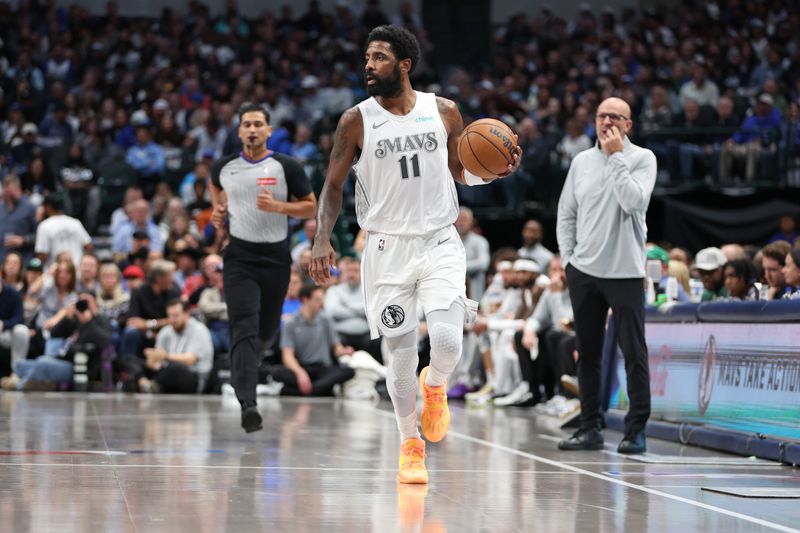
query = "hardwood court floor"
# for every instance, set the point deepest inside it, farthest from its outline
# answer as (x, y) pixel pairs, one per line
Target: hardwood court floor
(75, 462)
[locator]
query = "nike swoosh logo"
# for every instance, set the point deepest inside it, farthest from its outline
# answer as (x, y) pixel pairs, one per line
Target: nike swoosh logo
(444, 240)
(376, 126)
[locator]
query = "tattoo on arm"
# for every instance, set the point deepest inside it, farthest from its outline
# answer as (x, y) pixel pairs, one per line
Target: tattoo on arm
(330, 199)
(340, 140)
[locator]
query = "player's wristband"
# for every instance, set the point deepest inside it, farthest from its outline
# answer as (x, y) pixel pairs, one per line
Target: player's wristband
(471, 179)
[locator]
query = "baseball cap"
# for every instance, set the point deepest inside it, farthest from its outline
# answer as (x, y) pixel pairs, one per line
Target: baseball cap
(140, 235)
(161, 105)
(140, 118)
(710, 259)
(133, 271)
(35, 264)
(309, 82)
(764, 98)
(29, 127)
(190, 251)
(656, 252)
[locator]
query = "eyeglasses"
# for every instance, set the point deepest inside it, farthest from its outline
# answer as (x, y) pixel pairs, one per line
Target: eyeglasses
(612, 116)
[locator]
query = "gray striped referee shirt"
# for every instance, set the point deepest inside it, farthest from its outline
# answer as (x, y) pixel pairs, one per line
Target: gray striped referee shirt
(242, 179)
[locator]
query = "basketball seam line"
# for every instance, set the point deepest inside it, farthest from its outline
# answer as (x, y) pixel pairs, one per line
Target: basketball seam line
(475, 155)
(494, 146)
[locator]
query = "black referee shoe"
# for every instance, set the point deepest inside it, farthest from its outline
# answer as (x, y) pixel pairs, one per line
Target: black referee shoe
(583, 439)
(251, 419)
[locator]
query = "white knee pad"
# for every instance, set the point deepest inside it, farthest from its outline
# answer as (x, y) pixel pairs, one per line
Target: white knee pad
(446, 341)
(401, 380)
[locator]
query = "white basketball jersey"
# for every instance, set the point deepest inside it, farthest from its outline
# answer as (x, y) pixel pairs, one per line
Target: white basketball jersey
(403, 183)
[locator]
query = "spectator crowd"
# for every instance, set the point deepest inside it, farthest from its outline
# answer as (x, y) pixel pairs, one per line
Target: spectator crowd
(111, 270)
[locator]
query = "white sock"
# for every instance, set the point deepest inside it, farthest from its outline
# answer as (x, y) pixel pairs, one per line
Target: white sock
(408, 426)
(434, 377)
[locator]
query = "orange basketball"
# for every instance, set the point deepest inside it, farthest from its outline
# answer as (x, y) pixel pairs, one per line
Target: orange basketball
(487, 147)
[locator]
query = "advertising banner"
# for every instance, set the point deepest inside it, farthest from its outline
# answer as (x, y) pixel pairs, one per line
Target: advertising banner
(743, 377)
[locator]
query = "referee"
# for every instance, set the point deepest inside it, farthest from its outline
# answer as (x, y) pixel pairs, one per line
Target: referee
(256, 190)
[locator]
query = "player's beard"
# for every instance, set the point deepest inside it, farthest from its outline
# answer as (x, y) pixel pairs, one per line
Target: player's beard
(389, 87)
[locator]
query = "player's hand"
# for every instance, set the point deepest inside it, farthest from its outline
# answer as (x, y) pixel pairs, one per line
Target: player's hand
(529, 340)
(265, 201)
(613, 141)
(480, 325)
(322, 257)
(219, 215)
(304, 382)
(517, 159)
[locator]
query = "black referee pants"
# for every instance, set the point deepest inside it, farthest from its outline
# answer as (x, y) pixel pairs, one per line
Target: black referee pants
(256, 277)
(323, 378)
(591, 299)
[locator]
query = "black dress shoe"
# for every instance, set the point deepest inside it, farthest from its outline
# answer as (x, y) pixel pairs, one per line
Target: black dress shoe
(583, 439)
(251, 419)
(635, 443)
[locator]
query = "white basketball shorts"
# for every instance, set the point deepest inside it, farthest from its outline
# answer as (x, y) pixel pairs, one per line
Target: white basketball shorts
(398, 272)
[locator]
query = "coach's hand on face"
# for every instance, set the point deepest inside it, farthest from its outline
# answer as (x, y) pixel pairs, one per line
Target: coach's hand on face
(322, 257)
(612, 141)
(218, 216)
(266, 202)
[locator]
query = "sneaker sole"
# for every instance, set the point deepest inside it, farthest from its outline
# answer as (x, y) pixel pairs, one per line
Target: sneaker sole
(593, 447)
(572, 387)
(419, 481)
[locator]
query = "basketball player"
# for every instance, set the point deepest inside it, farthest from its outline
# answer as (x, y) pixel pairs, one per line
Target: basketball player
(258, 190)
(406, 201)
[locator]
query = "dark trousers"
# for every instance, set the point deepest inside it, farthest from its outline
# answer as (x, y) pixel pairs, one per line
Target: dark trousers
(528, 368)
(323, 378)
(256, 277)
(172, 378)
(549, 366)
(134, 341)
(591, 299)
(363, 342)
(560, 346)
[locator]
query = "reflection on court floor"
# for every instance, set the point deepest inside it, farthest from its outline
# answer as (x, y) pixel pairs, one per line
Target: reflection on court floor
(71, 462)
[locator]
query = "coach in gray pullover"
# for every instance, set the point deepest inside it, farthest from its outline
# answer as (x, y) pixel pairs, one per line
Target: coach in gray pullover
(601, 232)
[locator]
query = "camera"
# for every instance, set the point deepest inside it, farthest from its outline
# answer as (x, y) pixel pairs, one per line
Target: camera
(81, 305)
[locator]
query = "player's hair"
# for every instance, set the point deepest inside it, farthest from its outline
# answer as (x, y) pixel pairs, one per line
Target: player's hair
(307, 290)
(777, 250)
(177, 301)
(404, 44)
(742, 268)
(249, 107)
(795, 253)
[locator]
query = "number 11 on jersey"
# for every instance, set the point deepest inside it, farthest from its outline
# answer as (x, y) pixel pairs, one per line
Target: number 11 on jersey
(404, 166)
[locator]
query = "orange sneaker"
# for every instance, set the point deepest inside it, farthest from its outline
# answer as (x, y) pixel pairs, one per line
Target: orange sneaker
(412, 462)
(435, 417)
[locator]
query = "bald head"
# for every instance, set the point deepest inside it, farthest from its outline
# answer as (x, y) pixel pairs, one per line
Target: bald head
(613, 112)
(615, 105)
